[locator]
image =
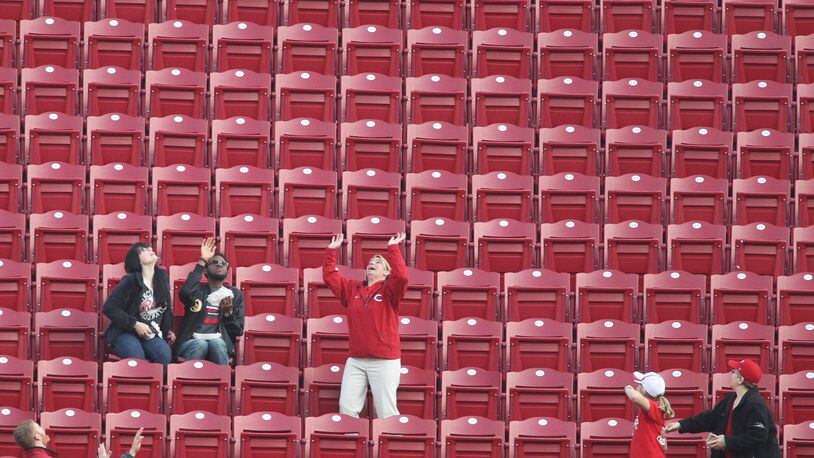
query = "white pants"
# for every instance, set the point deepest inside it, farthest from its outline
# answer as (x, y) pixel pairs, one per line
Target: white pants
(383, 376)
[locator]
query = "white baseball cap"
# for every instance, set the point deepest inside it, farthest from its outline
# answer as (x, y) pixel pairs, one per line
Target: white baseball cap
(652, 382)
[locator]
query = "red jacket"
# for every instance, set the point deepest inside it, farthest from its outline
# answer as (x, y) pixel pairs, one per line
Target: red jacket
(39, 452)
(373, 320)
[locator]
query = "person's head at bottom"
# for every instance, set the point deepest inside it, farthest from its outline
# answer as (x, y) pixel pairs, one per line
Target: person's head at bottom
(377, 269)
(30, 434)
(744, 374)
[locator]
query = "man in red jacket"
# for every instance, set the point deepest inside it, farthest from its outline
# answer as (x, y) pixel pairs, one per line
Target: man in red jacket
(31, 437)
(373, 324)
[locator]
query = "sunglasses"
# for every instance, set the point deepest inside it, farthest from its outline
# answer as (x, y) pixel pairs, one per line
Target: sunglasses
(218, 262)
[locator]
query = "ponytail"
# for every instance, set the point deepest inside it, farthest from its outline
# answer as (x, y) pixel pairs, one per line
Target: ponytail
(664, 405)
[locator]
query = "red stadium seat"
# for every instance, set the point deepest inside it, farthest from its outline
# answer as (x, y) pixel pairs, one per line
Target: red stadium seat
(503, 148)
(742, 340)
(512, 14)
(58, 235)
(248, 240)
(175, 91)
(537, 294)
(501, 99)
(117, 42)
(119, 188)
(178, 139)
(111, 276)
(699, 198)
(197, 11)
(760, 199)
(569, 196)
(372, 49)
(470, 391)
(121, 428)
(371, 144)
(618, 15)
(744, 16)
(307, 48)
(403, 434)
(272, 338)
(299, 11)
(10, 151)
(380, 12)
(761, 56)
(803, 54)
(196, 385)
(371, 192)
(696, 247)
(50, 41)
(115, 139)
(607, 294)
(796, 392)
(569, 149)
(567, 100)
(797, 18)
(244, 190)
(632, 54)
(9, 103)
(544, 434)
(320, 301)
(601, 395)
(15, 284)
(371, 96)
(138, 11)
(178, 44)
(241, 141)
(419, 343)
(132, 384)
(536, 343)
(15, 333)
(505, 246)
(426, 13)
(321, 386)
(555, 15)
(471, 342)
(304, 143)
(336, 435)
(436, 98)
(697, 103)
(472, 435)
(179, 237)
(607, 344)
(8, 43)
(567, 53)
(797, 439)
(66, 333)
(502, 51)
(674, 295)
(418, 300)
(439, 244)
(804, 190)
(675, 345)
(47, 88)
(679, 16)
(66, 383)
(306, 191)
(761, 104)
(10, 417)
(570, 247)
(240, 93)
(630, 102)
(634, 247)
(200, 433)
(264, 434)
(52, 137)
(701, 151)
(16, 382)
(635, 150)
(793, 292)
(795, 345)
(634, 196)
(417, 393)
(761, 248)
(305, 239)
(56, 186)
(689, 391)
(368, 236)
(181, 188)
(437, 146)
(243, 45)
(327, 340)
(111, 90)
(433, 194)
(805, 108)
(765, 152)
(67, 285)
(178, 275)
(12, 232)
(502, 195)
(115, 233)
(437, 50)
(11, 186)
(535, 392)
(305, 95)
(269, 289)
(75, 432)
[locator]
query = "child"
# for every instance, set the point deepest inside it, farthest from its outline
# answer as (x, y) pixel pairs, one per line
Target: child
(654, 410)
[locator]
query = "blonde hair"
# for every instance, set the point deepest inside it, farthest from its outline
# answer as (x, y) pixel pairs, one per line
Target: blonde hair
(665, 407)
(383, 261)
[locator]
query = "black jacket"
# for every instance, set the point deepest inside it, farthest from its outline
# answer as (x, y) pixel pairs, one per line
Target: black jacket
(193, 290)
(121, 307)
(754, 434)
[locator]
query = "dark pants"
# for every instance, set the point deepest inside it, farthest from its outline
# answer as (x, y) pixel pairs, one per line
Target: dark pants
(155, 350)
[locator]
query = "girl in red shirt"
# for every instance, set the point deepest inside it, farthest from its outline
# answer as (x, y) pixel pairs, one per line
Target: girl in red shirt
(654, 409)
(373, 327)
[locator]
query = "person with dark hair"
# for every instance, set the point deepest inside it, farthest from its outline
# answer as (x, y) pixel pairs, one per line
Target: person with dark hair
(213, 311)
(31, 437)
(140, 309)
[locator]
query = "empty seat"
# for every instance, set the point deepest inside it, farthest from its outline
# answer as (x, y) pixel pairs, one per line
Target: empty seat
(66, 383)
(380, 12)
(696, 247)
(111, 276)
(272, 338)
(567, 53)
(607, 294)
(569, 149)
(49, 88)
(804, 213)
(803, 54)
(632, 54)
(66, 333)
(636, 150)
(181, 188)
(600, 397)
(555, 15)
(325, 14)
(111, 90)
(12, 229)
(371, 96)
(196, 11)
(634, 247)
(269, 289)
(266, 434)
(178, 44)
(501, 99)
(679, 16)
(805, 108)
(119, 188)
(66, 285)
(742, 340)
(760, 56)
(701, 151)
(543, 434)
(417, 393)
(795, 345)
(796, 392)
(370, 144)
(15, 333)
(471, 342)
(437, 146)
(534, 392)
(570, 246)
(368, 237)
(744, 16)
(327, 340)
(606, 436)
(179, 237)
(8, 43)
(699, 198)
(425, 13)
(53, 137)
(432, 194)
(403, 434)
(697, 103)
(56, 186)
(307, 48)
(760, 199)
(536, 294)
(49, 41)
(419, 298)
(765, 152)
(571, 196)
(248, 239)
(58, 235)
(502, 195)
(439, 244)
(792, 298)
(304, 143)
(618, 15)
(696, 55)
(419, 343)
(630, 102)
(305, 95)
(139, 11)
(16, 382)
(371, 49)
(370, 192)
(241, 141)
(436, 98)
(115, 139)
(503, 148)
(760, 248)
(15, 283)
(502, 51)
(132, 384)
(116, 42)
(121, 428)
(470, 391)
(244, 190)
(75, 432)
(194, 385)
(535, 343)
(321, 386)
(243, 46)
(607, 344)
(305, 239)
(674, 295)
(178, 139)
(761, 104)
(333, 434)
(689, 391)
(240, 93)
(437, 50)
(8, 92)
(307, 191)
(200, 433)
(10, 151)
(741, 296)
(635, 197)
(797, 438)
(567, 100)
(675, 345)
(505, 246)
(175, 91)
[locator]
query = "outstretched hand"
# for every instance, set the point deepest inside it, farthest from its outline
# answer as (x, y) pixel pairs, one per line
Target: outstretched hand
(397, 239)
(336, 241)
(670, 427)
(208, 248)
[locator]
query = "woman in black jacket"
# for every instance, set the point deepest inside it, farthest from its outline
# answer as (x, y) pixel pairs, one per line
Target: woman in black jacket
(740, 423)
(140, 309)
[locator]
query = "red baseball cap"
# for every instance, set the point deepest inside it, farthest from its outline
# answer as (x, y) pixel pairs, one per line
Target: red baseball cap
(749, 370)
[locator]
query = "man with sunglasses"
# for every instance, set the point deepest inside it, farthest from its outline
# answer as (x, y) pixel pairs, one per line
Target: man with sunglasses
(213, 311)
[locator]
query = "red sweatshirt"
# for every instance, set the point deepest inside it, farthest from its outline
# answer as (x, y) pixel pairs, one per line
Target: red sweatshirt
(373, 320)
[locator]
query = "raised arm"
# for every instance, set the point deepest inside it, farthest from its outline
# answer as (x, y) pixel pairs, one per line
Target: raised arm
(189, 292)
(339, 285)
(397, 281)
(637, 398)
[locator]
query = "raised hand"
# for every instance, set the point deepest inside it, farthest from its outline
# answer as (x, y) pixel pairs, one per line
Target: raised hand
(396, 239)
(336, 241)
(136, 442)
(208, 248)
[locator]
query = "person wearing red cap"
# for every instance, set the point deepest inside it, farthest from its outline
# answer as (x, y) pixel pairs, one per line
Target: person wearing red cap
(740, 423)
